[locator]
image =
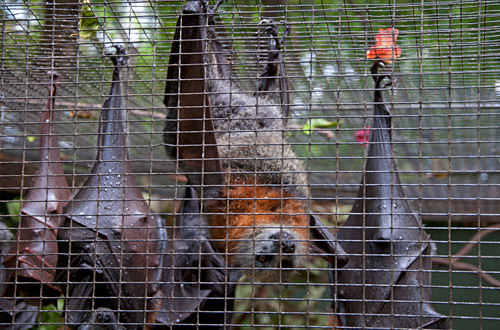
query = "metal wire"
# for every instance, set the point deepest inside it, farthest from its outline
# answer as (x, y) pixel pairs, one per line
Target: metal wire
(175, 267)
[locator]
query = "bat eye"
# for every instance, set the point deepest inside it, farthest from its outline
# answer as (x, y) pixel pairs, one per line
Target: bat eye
(263, 258)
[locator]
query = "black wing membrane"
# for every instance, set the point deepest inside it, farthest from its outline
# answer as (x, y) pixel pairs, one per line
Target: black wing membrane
(386, 282)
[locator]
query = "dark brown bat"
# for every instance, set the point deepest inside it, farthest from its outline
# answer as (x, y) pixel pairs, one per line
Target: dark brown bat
(109, 248)
(385, 284)
(231, 147)
(34, 253)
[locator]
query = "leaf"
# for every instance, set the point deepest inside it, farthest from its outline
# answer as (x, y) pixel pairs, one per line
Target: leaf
(89, 24)
(314, 123)
(31, 138)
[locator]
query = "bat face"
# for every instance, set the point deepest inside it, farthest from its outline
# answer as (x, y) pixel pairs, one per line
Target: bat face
(270, 250)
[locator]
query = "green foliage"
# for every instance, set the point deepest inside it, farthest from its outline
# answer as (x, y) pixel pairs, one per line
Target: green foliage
(14, 211)
(50, 316)
(301, 302)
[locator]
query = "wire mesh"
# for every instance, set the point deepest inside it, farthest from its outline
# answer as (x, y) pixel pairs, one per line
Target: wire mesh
(141, 239)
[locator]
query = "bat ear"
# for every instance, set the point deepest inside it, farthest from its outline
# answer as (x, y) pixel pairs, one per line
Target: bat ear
(190, 131)
(324, 244)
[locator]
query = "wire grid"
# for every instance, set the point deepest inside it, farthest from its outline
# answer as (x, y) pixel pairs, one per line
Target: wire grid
(444, 101)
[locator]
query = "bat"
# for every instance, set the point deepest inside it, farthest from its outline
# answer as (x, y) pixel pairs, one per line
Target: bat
(34, 254)
(231, 147)
(385, 283)
(109, 248)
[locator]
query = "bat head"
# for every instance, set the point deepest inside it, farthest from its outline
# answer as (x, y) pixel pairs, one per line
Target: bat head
(101, 319)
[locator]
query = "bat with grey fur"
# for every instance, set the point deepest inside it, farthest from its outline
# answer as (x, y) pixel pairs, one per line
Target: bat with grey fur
(230, 144)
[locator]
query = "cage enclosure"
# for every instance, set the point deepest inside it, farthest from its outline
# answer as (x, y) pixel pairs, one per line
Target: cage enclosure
(249, 164)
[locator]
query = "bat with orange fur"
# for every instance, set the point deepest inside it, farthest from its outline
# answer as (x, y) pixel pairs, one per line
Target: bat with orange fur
(230, 144)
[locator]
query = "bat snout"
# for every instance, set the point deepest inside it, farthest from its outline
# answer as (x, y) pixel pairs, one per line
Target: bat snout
(271, 254)
(279, 250)
(284, 241)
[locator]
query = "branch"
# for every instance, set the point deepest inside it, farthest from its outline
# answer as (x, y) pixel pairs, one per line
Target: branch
(454, 262)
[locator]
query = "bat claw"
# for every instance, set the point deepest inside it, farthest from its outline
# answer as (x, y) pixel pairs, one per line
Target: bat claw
(118, 55)
(378, 77)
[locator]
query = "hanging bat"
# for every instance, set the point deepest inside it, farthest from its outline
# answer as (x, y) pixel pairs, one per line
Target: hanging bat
(109, 247)
(230, 144)
(34, 253)
(386, 282)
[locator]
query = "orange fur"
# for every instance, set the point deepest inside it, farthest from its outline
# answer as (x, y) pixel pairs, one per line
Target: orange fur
(245, 204)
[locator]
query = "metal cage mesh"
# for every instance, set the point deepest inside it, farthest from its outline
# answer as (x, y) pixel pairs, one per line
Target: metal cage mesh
(153, 241)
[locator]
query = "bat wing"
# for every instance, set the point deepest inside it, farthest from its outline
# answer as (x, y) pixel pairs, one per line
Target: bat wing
(189, 131)
(323, 244)
(385, 243)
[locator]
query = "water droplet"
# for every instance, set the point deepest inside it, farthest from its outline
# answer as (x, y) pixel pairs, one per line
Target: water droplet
(395, 205)
(182, 285)
(383, 206)
(177, 320)
(400, 238)
(88, 217)
(47, 120)
(109, 171)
